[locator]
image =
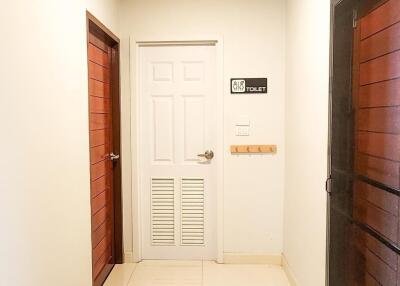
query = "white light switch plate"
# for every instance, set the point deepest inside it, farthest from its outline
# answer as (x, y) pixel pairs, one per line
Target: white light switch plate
(243, 121)
(242, 131)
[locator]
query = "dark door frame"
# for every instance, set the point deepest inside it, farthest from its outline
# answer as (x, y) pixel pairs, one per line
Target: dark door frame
(94, 26)
(360, 11)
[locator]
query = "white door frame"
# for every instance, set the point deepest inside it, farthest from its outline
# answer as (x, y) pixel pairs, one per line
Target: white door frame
(137, 175)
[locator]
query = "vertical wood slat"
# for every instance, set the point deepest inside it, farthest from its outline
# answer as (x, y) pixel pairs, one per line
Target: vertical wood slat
(381, 145)
(382, 94)
(381, 18)
(99, 73)
(378, 197)
(102, 263)
(380, 170)
(99, 104)
(100, 233)
(98, 121)
(383, 222)
(98, 170)
(380, 44)
(98, 88)
(385, 120)
(370, 281)
(377, 263)
(98, 42)
(99, 202)
(380, 69)
(98, 186)
(99, 153)
(379, 270)
(99, 217)
(99, 137)
(98, 56)
(365, 242)
(101, 247)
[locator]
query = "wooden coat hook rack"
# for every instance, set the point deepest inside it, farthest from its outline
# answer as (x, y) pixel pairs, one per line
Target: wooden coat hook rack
(254, 149)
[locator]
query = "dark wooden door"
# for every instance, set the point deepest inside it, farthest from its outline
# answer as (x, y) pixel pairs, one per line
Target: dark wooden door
(104, 144)
(365, 146)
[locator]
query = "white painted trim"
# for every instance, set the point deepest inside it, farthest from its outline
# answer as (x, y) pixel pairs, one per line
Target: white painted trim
(177, 39)
(128, 257)
(242, 258)
(135, 43)
(220, 150)
(289, 272)
(136, 206)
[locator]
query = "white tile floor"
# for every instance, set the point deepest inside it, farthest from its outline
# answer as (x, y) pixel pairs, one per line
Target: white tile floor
(195, 273)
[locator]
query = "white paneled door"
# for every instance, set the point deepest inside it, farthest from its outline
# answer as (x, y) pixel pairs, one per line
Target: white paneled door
(178, 122)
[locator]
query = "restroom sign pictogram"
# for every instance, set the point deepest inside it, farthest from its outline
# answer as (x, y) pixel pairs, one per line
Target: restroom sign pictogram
(249, 85)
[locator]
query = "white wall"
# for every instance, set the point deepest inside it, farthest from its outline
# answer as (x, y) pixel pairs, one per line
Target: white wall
(306, 139)
(44, 164)
(254, 46)
(44, 171)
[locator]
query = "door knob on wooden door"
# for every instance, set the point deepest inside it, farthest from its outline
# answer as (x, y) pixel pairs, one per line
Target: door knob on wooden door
(114, 157)
(209, 154)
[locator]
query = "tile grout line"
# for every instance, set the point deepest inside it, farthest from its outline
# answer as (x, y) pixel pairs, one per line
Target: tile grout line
(130, 277)
(202, 272)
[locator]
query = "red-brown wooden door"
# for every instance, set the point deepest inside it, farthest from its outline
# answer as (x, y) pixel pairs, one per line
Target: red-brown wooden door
(364, 203)
(104, 167)
(376, 79)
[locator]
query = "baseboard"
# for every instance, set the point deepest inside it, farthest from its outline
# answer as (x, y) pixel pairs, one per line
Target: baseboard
(240, 258)
(128, 257)
(289, 272)
(232, 258)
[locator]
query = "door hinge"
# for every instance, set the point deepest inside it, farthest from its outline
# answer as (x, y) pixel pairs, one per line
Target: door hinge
(328, 185)
(355, 18)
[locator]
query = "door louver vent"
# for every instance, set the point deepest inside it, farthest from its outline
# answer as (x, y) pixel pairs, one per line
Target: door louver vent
(162, 211)
(192, 213)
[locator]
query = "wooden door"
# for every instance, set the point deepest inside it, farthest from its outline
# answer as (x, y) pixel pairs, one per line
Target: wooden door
(104, 152)
(365, 145)
(376, 93)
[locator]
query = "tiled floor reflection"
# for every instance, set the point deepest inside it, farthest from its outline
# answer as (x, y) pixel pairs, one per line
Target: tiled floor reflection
(239, 275)
(163, 273)
(195, 273)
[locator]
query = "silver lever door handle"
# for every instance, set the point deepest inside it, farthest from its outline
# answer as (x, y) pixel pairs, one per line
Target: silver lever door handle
(114, 157)
(209, 154)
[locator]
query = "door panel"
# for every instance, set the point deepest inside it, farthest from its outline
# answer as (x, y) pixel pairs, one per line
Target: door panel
(380, 69)
(381, 145)
(380, 18)
(380, 119)
(380, 94)
(178, 122)
(380, 44)
(365, 155)
(103, 140)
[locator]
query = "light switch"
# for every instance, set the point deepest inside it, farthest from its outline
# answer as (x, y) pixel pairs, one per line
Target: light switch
(242, 131)
(243, 121)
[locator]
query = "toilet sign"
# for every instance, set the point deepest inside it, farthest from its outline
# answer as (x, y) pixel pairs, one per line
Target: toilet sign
(249, 85)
